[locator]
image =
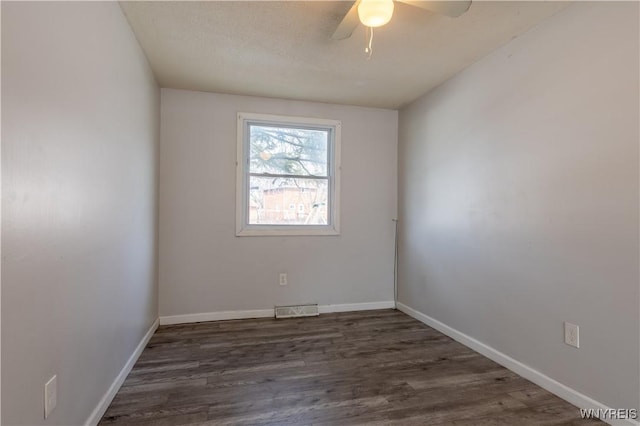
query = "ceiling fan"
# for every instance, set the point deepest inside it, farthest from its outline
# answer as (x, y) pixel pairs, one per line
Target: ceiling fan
(375, 13)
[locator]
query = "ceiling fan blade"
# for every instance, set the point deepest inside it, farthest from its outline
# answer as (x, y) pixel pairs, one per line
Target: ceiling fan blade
(348, 23)
(453, 8)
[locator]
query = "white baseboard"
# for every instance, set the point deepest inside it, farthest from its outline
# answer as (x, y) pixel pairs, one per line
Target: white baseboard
(350, 307)
(565, 392)
(215, 316)
(106, 399)
(266, 313)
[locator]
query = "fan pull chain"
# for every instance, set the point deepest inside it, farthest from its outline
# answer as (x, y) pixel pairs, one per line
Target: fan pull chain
(369, 48)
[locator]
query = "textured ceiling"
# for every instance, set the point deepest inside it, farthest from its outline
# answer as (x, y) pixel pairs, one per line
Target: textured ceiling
(283, 49)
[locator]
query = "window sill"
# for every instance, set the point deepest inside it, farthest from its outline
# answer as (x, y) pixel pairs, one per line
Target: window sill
(291, 231)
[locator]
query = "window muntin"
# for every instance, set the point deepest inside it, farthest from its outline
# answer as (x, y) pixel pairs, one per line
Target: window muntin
(287, 161)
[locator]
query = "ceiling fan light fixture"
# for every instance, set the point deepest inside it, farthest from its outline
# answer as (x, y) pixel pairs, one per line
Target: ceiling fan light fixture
(375, 13)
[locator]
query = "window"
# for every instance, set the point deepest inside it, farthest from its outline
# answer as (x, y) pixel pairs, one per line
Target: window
(287, 161)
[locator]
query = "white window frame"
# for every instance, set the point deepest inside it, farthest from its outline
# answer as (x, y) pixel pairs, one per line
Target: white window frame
(243, 228)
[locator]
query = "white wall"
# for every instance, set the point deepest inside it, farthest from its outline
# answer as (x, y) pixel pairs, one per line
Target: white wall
(79, 149)
(204, 267)
(519, 200)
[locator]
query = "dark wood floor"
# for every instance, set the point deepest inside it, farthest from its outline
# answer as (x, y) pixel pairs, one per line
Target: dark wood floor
(359, 368)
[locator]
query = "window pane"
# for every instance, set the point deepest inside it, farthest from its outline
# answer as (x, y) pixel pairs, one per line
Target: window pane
(290, 151)
(284, 201)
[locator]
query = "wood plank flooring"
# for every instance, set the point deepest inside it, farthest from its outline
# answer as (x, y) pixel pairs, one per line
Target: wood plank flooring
(357, 368)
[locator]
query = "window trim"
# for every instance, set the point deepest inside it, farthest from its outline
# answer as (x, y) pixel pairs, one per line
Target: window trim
(243, 228)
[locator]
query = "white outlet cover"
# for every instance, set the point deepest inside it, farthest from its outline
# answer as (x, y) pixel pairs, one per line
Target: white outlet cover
(283, 279)
(50, 395)
(572, 334)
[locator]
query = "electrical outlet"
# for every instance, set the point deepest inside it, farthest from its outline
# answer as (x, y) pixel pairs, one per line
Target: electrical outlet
(572, 334)
(283, 279)
(50, 395)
